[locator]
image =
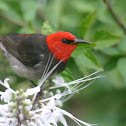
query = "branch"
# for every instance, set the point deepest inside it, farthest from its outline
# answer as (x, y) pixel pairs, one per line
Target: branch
(41, 15)
(19, 23)
(115, 16)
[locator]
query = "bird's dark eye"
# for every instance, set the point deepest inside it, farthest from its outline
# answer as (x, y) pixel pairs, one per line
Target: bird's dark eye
(66, 41)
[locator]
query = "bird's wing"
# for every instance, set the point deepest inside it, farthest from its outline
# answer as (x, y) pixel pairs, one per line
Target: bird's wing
(10, 43)
(33, 49)
(28, 48)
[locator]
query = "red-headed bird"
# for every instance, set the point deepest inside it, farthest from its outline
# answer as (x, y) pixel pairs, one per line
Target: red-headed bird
(29, 54)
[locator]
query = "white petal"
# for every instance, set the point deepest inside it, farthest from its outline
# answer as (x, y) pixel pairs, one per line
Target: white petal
(6, 96)
(74, 118)
(6, 83)
(32, 91)
(3, 109)
(32, 124)
(58, 116)
(62, 120)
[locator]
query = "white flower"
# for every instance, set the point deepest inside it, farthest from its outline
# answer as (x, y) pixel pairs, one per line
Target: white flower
(3, 109)
(5, 96)
(21, 110)
(32, 91)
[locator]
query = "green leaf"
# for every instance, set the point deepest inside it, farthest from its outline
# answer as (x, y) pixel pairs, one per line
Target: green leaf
(74, 69)
(102, 35)
(3, 6)
(87, 46)
(114, 78)
(86, 59)
(105, 39)
(111, 64)
(67, 75)
(88, 54)
(16, 8)
(81, 48)
(122, 45)
(13, 11)
(105, 44)
(112, 51)
(83, 6)
(85, 24)
(29, 9)
(121, 65)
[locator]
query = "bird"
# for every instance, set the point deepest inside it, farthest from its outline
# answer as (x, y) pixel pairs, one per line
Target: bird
(29, 54)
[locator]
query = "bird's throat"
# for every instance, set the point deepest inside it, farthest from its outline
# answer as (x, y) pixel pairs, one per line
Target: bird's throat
(63, 53)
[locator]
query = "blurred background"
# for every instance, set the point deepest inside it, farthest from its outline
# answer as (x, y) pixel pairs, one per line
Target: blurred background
(102, 22)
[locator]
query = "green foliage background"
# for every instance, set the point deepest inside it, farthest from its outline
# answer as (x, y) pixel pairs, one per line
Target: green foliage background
(103, 102)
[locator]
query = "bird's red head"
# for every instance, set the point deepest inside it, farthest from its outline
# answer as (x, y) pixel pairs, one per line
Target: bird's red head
(62, 44)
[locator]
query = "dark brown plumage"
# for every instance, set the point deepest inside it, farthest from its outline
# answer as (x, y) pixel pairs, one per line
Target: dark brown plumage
(29, 54)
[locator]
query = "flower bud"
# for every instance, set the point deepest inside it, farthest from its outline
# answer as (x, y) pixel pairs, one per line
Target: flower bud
(26, 102)
(31, 113)
(20, 107)
(24, 95)
(12, 104)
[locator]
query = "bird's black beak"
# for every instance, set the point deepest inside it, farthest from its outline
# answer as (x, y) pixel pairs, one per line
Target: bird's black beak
(77, 41)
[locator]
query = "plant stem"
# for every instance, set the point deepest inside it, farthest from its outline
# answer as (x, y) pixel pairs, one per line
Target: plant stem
(19, 23)
(115, 16)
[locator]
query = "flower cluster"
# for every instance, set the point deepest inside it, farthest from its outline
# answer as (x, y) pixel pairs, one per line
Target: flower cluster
(22, 109)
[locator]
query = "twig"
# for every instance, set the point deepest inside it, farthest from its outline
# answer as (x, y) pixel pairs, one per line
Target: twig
(41, 15)
(13, 20)
(19, 23)
(115, 16)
